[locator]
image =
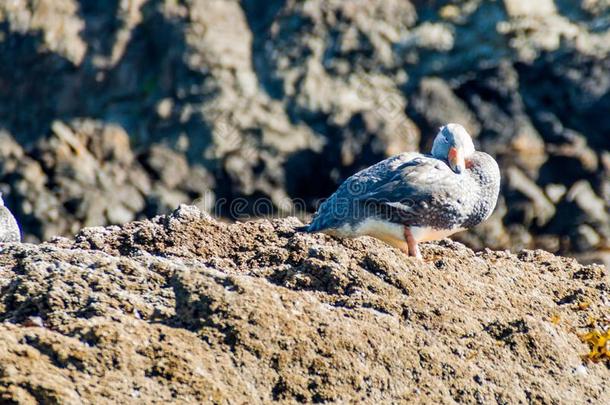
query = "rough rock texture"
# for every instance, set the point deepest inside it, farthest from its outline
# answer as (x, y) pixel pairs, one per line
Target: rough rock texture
(255, 107)
(86, 174)
(185, 308)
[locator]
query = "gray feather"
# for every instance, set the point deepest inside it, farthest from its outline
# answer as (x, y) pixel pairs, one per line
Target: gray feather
(414, 190)
(9, 229)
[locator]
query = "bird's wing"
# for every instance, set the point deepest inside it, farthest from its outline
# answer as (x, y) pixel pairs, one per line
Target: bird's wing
(417, 177)
(9, 229)
(332, 212)
(366, 181)
(416, 191)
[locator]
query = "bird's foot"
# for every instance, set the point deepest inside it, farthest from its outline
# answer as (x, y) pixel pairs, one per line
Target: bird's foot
(412, 249)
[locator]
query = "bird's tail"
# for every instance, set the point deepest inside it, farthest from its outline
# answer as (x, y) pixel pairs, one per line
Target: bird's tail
(317, 224)
(304, 228)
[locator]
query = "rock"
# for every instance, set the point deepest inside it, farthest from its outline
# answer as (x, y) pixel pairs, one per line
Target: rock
(588, 202)
(251, 100)
(162, 199)
(605, 186)
(576, 159)
(430, 36)
(34, 321)
(112, 144)
(550, 243)
(493, 98)
(540, 208)
(594, 7)
(524, 8)
(97, 179)
(185, 308)
(536, 28)
(58, 21)
(555, 192)
(529, 148)
(586, 239)
(435, 105)
(170, 167)
(601, 257)
(580, 207)
(520, 237)
(117, 214)
(10, 153)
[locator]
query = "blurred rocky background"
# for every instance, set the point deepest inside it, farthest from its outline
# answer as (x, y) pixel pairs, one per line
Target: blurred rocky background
(122, 109)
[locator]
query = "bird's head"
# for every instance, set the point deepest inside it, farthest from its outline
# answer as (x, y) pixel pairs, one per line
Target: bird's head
(453, 144)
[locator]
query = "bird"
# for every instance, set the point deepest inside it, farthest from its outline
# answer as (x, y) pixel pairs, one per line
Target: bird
(412, 197)
(9, 229)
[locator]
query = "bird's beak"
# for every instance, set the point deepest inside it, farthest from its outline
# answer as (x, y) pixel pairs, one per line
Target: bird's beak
(456, 160)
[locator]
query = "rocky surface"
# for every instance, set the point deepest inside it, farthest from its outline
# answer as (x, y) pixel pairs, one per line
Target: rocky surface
(124, 110)
(184, 308)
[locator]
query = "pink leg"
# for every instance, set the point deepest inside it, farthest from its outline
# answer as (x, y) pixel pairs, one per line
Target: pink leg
(413, 249)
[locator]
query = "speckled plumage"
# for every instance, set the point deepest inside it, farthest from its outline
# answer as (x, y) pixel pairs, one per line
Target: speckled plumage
(413, 190)
(9, 229)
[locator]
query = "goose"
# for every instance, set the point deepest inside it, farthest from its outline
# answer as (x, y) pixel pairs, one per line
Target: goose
(412, 197)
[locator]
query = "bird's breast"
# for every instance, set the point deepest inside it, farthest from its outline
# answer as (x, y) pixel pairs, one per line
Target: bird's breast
(393, 233)
(426, 234)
